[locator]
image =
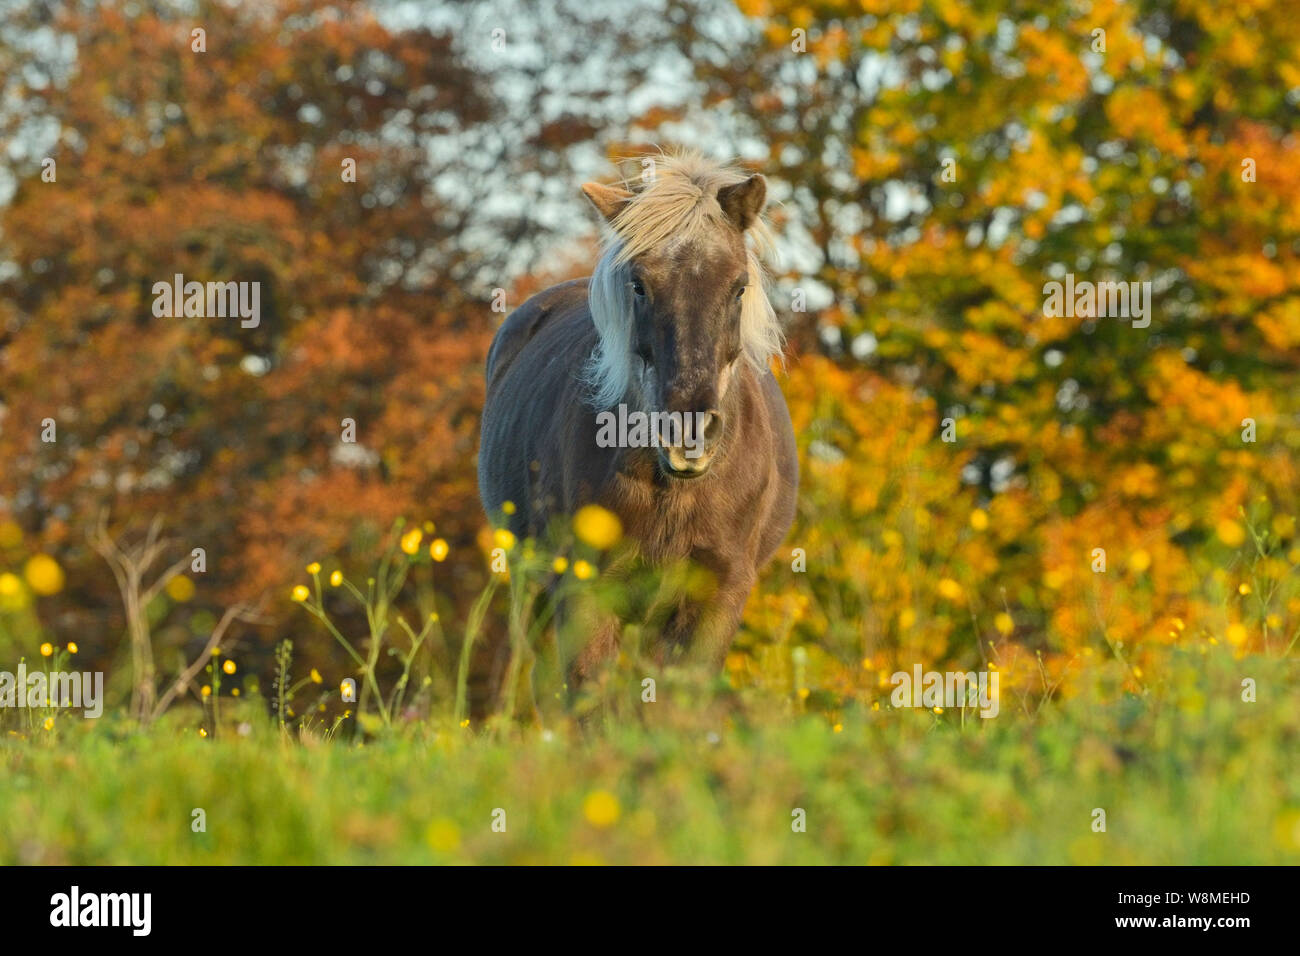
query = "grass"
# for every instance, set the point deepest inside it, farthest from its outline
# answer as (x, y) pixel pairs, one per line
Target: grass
(1189, 773)
(788, 762)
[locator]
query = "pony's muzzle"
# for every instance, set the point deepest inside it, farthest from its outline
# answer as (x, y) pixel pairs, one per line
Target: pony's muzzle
(674, 463)
(687, 445)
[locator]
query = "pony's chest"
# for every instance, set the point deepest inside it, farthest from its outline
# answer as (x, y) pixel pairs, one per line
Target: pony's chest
(669, 527)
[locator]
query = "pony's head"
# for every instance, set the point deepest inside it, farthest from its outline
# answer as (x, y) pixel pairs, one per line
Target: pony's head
(678, 300)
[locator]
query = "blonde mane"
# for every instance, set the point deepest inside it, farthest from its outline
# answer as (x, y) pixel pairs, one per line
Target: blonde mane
(679, 203)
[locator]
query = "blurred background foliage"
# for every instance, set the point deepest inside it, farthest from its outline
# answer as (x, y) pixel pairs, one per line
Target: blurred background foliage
(909, 300)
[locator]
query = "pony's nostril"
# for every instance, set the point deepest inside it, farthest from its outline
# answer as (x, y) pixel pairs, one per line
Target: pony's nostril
(711, 426)
(690, 429)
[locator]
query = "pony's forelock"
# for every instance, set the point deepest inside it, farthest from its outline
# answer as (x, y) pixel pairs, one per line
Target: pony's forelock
(609, 370)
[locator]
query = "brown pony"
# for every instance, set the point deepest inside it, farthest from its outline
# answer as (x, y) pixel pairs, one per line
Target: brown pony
(674, 318)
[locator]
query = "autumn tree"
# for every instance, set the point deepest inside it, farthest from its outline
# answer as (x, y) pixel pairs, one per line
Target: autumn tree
(285, 146)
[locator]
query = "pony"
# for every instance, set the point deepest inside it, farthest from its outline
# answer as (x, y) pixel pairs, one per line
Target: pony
(675, 325)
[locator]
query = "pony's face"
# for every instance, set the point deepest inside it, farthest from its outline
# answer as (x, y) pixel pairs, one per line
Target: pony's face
(686, 302)
(689, 298)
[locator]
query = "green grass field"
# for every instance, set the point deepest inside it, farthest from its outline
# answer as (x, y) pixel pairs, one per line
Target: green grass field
(1188, 774)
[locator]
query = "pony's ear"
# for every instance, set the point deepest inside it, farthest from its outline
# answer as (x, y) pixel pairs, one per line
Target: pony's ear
(744, 201)
(608, 200)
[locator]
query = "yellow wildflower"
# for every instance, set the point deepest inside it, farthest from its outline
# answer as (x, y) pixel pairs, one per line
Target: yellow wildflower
(411, 540)
(597, 526)
(443, 836)
(1230, 532)
(43, 574)
(601, 809)
(180, 588)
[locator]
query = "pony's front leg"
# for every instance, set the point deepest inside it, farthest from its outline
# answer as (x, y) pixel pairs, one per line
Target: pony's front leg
(702, 630)
(588, 639)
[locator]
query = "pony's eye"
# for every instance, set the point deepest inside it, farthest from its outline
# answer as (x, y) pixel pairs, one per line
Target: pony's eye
(740, 293)
(638, 288)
